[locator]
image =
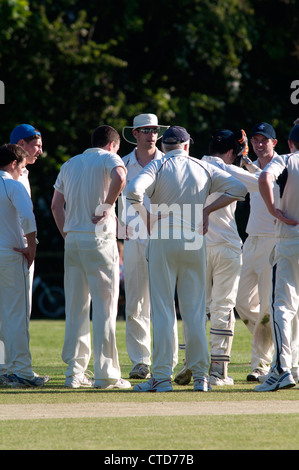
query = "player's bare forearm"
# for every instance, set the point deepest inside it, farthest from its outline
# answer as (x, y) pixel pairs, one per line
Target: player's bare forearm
(118, 182)
(265, 187)
(249, 165)
(57, 207)
(220, 202)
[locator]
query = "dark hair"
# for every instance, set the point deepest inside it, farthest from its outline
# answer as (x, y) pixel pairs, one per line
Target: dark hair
(10, 153)
(103, 135)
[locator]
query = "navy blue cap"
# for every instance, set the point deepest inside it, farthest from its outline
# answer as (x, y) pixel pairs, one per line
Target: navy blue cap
(176, 135)
(22, 132)
(264, 129)
(224, 135)
(294, 134)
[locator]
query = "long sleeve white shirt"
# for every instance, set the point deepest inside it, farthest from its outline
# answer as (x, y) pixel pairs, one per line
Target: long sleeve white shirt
(181, 184)
(222, 223)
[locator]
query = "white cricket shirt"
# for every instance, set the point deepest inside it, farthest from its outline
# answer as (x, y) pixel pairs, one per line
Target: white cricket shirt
(24, 179)
(260, 222)
(84, 181)
(222, 223)
(16, 213)
(179, 184)
(285, 168)
(127, 214)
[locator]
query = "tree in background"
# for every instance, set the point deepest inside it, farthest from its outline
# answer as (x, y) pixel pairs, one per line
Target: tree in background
(69, 66)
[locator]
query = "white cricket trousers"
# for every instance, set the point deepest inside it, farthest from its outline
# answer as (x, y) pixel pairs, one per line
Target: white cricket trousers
(295, 345)
(91, 270)
(223, 274)
(253, 299)
(14, 316)
(138, 321)
(285, 301)
(138, 309)
(4, 367)
(170, 265)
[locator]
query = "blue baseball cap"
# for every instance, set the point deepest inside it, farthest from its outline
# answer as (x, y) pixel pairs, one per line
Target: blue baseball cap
(22, 132)
(176, 135)
(294, 134)
(264, 129)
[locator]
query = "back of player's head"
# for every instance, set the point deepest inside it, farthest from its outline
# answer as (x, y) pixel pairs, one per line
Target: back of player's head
(10, 153)
(221, 142)
(104, 135)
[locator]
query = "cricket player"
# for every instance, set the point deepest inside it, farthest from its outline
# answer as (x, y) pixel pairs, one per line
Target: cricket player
(89, 184)
(285, 288)
(17, 221)
(30, 139)
(224, 254)
(144, 135)
(178, 186)
(253, 298)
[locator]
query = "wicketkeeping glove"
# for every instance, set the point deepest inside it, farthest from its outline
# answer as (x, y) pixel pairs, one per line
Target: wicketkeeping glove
(241, 147)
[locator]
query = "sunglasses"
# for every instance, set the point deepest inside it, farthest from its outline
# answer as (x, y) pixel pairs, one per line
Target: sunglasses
(148, 130)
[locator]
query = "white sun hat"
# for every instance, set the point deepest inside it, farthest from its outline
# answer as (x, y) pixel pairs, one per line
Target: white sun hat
(142, 120)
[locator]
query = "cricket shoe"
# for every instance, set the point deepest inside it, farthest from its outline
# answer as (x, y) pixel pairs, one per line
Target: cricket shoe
(79, 380)
(262, 378)
(183, 377)
(257, 375)
(202, 384)
(220, 380)
(119, 384)
(294, 373)
(20, 382)
(276, 381)
(45, 378)
(154, 385)
(4, 381)
(140, 371)
(8, 379)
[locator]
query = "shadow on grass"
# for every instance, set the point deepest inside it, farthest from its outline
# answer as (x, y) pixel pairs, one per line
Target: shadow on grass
(60, 389)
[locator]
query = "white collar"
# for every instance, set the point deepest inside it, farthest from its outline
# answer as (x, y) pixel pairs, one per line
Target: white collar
(133, 159)
(5, 173)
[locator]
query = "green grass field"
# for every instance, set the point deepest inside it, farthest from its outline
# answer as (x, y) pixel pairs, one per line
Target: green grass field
(228, 431)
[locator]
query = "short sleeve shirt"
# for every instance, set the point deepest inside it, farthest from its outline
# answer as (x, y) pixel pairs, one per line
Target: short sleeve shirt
(285, 170)
(84, 181)
(16, 213)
